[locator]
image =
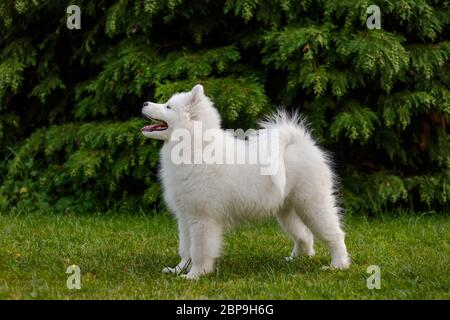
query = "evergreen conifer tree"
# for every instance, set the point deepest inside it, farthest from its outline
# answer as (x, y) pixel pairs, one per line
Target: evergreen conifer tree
(70, 99)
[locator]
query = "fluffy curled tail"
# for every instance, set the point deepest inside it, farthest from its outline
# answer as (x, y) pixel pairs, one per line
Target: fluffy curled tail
(289, 129)
(292, 126)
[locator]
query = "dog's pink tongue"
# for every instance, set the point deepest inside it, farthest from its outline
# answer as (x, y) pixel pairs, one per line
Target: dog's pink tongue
(149, 127)
(153, 127)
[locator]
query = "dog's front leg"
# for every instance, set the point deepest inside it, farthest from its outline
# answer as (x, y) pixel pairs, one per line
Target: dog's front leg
(206, 244)
(183, 249)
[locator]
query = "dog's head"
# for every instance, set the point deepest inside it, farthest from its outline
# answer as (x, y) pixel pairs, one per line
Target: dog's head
(179, 112)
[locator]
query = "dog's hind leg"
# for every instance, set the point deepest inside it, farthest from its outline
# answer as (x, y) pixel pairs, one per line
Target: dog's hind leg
(320, 214)
(183, 250)
(206, 244)
(303, 238)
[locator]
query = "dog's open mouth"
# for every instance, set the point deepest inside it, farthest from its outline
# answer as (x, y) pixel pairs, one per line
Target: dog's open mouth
(157, 125)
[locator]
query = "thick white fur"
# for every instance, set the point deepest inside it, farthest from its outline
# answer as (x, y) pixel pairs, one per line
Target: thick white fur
(208, 199)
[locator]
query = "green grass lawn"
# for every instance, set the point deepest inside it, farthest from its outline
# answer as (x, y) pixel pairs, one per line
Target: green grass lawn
(121, 257)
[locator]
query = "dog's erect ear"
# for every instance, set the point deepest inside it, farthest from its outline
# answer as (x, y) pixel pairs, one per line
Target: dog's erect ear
(197, 93)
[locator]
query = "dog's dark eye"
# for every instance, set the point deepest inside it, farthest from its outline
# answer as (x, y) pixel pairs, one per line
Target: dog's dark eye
(168, 107)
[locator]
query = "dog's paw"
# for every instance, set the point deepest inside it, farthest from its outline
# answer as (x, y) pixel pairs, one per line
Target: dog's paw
(183, 266)
(171, 270)
(341, 264)
(310, 252)
(331, 268)
(289, 259)
(191, 276)
(177, 270)
(196, 273)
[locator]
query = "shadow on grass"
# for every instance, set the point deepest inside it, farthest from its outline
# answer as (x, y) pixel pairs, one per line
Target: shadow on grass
(266, 265)
(150, 264)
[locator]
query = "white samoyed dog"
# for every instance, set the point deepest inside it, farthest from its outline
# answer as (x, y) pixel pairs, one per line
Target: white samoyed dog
(208, 198)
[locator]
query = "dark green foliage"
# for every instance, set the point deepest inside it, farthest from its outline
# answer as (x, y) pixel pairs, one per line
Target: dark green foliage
(70, 99)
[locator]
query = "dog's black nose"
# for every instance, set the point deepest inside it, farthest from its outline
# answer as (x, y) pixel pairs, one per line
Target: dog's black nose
(146, 104)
